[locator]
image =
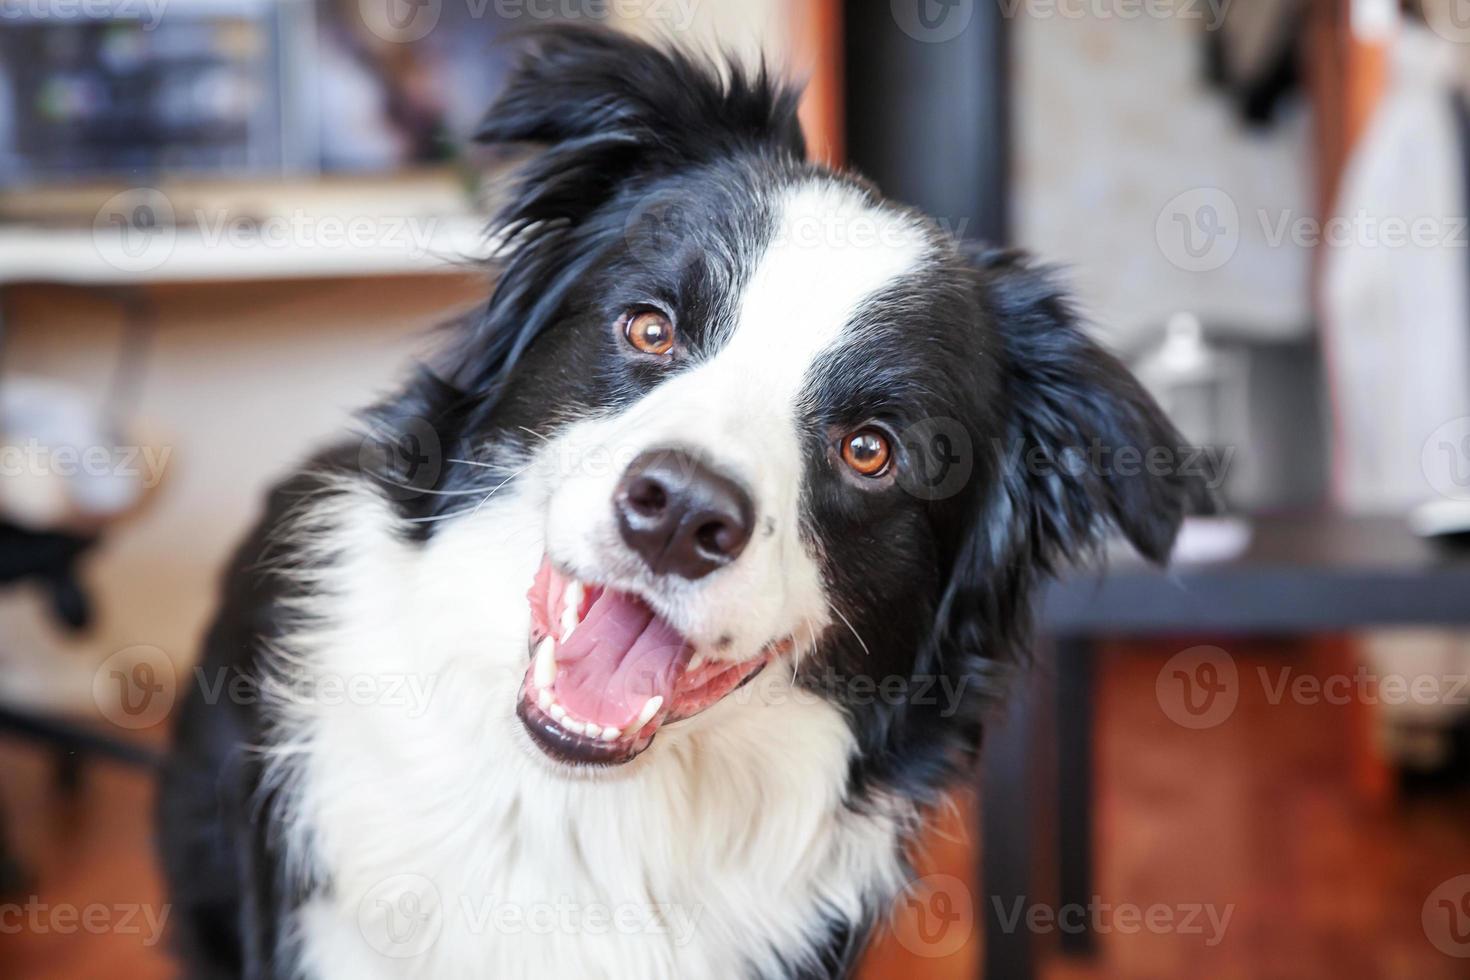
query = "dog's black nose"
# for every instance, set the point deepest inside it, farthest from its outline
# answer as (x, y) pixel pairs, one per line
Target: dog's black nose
(681, 516)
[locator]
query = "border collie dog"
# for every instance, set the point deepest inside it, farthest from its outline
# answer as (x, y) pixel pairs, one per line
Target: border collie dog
(716, 531)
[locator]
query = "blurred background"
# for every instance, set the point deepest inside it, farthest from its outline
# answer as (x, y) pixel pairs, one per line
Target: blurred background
(226, 224)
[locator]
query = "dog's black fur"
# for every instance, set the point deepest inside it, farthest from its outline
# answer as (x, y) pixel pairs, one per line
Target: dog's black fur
(940, 588)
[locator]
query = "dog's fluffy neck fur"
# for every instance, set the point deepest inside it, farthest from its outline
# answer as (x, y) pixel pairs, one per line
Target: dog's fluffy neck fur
(731, 842)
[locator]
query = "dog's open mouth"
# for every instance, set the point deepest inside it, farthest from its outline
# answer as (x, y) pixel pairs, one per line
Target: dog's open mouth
(606, 672)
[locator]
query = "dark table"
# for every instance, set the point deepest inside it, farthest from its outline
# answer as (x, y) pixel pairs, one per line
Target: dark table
(1300, 575)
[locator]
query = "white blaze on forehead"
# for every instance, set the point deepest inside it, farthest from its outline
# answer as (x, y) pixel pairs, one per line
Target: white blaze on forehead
(831, 250)
(740, 410)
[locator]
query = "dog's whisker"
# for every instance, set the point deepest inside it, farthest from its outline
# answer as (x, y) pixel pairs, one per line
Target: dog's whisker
(473, 491)
(849, 625)
(471, 462)
(502, 483)
(538, 435)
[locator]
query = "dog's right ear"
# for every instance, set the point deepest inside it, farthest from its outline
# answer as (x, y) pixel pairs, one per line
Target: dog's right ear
(610, 108)
(612, 114)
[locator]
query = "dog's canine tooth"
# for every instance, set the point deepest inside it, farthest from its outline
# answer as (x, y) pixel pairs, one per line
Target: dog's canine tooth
(545, 663)
(571, 609)
(543, 699)
(650, 708)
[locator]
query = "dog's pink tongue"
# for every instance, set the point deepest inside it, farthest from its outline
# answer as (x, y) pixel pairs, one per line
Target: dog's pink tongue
(620, 656)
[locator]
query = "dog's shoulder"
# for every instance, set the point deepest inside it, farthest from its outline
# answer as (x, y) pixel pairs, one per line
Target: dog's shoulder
(216, 821)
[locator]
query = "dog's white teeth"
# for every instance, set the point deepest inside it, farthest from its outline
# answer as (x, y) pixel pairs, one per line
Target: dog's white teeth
(574, 726)
(571, 608)
(649, 710)
(558, 712)
(543, 699)
(611, 734)
(592, 731)
(546, 663)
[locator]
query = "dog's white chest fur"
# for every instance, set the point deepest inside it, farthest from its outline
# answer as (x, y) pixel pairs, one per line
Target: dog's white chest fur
(450, 848)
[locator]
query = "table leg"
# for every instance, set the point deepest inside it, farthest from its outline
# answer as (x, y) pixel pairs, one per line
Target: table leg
(1076, 669)
(1011, 795)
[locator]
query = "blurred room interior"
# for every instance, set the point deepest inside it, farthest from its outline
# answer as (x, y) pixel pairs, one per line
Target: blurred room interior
(190, 188)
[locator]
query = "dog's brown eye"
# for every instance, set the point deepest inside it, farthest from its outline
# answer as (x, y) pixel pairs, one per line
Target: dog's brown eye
(866, 451)
(649, 331)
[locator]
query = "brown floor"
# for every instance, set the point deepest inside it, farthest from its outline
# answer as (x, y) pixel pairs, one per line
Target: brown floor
(1263, 815)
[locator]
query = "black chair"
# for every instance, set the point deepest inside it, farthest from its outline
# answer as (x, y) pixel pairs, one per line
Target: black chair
(49, 559)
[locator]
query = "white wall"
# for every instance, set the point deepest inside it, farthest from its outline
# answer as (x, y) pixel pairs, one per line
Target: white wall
(1112, 123)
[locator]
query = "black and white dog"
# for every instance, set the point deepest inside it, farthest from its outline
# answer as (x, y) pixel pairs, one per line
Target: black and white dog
(719, 530)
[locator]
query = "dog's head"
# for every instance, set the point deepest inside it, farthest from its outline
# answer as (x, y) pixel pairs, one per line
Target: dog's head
(767, 415)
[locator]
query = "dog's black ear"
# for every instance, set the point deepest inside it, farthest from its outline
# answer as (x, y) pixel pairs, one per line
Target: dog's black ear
(609, 107)
(1082, 449)
(1086, 448)
(611, 113)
